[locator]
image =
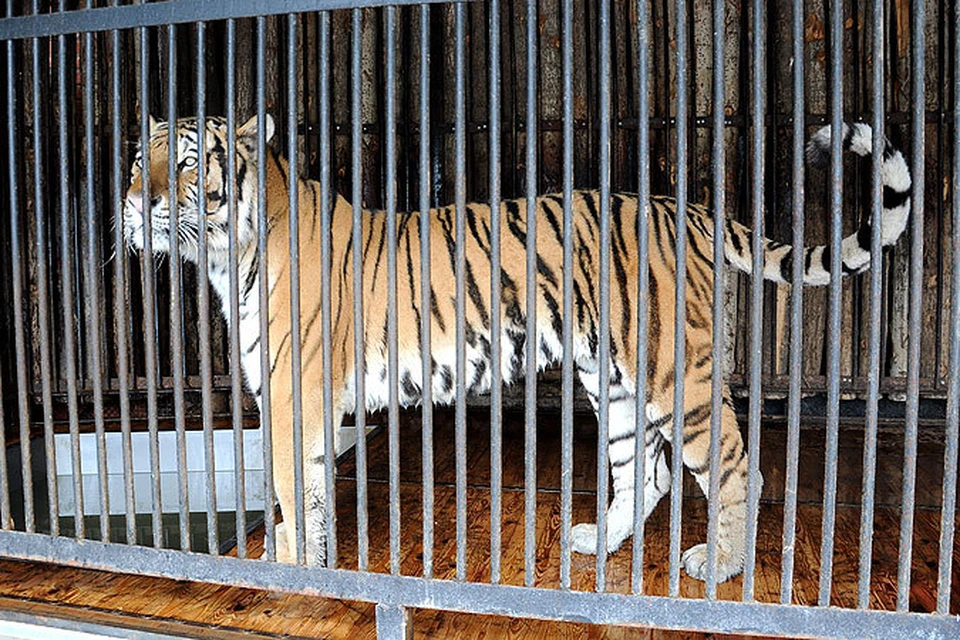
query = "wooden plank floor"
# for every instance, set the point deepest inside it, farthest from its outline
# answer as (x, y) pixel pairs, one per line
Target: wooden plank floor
(213, 611)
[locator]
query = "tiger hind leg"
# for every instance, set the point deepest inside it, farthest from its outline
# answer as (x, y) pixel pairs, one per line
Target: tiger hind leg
(621, 447)
(732, 508)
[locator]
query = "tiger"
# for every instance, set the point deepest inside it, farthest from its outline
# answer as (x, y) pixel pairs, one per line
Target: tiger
(621, 369)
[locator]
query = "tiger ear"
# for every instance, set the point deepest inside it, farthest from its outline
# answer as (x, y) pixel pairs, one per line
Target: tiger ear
(153, 122)
(249, 128)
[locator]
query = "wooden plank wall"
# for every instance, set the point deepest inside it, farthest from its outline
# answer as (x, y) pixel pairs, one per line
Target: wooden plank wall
(738, 27)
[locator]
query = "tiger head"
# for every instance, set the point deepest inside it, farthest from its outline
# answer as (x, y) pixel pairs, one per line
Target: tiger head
(188, 192)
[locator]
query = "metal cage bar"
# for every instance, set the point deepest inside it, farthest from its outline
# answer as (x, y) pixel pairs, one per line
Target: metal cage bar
(176, 293)
(530, 346)
(326, 205)
(496, 367)
(718, 189)
(566, 427)
(680, 300)
(604, 368)
(299, 547)
(426, 366)
(460, 266)
(233, 231)
(263, 301)
(64, 199)
(148, 276)
(757, 104)
(917, 167)
(952, 431)
(643, 288)
(876, 289)
(120, 279)
(94, 282)
(203, 305)
(359, 355)
(796, 315)
(393, 426)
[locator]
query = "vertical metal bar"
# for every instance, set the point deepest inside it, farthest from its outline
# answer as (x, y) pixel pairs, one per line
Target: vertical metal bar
(393, 426)
(680, 304)
(149, 288)
(206, 364)
(460, 224)
(796, 316)
(233, 229)
(758, 56)
(643, 286)
(120, 270)
(359, 359)
(603, 414)
(330, 454)
(425, 294)
(567, 389)
(496, 367)
(94, 280)
(295, 356)
(717, 168)
(835, 45)
(67, 253)
(530, 380)
(394, 622)
(917, 158)
(875, 311)
(43, 313)
(176, 289)
(20, 348)
(263, 306)
(6, 519)
(952, 435)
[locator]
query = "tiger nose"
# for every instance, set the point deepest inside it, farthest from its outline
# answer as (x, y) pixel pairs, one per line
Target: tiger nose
(136, 201)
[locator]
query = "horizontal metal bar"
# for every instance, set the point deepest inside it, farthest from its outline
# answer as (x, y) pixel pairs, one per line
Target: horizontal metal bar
(546, 604)
(11, 621)
(170, 12)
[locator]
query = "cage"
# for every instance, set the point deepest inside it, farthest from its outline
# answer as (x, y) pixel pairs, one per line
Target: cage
(136, 444)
